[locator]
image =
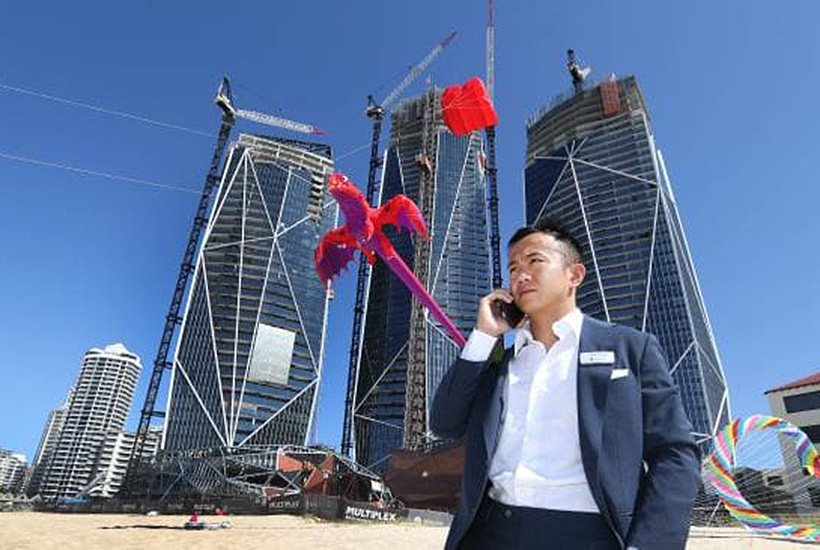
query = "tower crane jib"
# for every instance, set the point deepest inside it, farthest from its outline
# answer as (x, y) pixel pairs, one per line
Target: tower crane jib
(417, 70)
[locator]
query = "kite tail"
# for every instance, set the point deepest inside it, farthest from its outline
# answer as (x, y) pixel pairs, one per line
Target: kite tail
(410, 280)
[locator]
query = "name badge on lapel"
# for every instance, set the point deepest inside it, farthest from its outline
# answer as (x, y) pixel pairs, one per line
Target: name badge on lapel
(597, 357)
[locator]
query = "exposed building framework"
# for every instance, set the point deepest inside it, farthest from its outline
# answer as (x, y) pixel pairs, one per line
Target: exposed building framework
(404, 352)
(257, 473)
(375, 112)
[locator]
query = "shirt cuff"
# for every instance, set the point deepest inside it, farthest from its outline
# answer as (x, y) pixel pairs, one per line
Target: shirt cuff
(478, 347)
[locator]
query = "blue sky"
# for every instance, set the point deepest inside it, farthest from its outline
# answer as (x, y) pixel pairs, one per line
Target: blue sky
(87, 261)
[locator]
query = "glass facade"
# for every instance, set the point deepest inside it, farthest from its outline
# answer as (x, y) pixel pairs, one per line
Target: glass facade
(457, 274)
(255, 292)
(592, 163)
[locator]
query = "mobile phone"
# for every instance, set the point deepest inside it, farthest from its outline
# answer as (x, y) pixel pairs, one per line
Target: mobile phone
(509, 312)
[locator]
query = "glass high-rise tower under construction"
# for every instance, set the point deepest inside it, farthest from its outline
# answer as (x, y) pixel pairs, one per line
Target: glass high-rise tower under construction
(593, 164)
(405, 353)
(248, 362)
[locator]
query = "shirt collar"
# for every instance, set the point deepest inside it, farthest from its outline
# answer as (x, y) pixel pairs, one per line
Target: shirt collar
(566, 325)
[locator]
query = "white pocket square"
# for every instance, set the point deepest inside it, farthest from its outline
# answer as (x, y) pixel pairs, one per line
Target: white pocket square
(619, 373)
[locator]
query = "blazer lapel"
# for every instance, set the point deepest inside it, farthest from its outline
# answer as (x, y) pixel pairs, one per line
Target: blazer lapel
(593, 386)
(496, 407)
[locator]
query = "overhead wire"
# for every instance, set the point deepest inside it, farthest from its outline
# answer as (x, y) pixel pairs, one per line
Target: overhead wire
(140, 118)
(157, 185)
(278, 108)
(87, 172)
(113, 112)
(147, 120)
(127, 115)
(154, 184)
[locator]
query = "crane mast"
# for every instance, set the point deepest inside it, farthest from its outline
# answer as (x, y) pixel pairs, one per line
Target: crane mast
(490, 50)
(173, 318)
(492, 170)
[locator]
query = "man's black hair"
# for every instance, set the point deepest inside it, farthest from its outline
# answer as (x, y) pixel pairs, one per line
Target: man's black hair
(551, 226)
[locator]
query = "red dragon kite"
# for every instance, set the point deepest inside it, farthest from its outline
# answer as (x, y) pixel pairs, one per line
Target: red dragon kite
(364, 231)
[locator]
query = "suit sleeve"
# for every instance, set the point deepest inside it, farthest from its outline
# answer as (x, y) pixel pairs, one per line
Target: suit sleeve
(662, 513)
(454, 398)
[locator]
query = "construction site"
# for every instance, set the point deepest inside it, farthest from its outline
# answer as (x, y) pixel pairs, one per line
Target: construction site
(241, 354)
(228, 423)
(229, 415)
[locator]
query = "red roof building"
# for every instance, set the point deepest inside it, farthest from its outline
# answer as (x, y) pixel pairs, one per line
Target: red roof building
(799, 403)
(806, 381)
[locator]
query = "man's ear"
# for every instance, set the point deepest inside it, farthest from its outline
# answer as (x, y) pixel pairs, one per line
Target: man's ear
(577, 274)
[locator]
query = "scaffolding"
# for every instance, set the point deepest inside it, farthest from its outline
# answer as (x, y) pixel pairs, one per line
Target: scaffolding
(257, 474)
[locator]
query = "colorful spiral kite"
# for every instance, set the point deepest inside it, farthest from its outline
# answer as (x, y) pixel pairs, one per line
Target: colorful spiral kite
(721, 463)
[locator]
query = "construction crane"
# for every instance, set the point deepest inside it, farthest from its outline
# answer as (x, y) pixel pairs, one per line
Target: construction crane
(576, 72)
(224, 100)
(490, 49)
(492, 169)
(375, 112)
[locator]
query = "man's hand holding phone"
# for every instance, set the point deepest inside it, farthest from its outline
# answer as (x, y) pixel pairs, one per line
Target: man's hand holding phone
(497, 313)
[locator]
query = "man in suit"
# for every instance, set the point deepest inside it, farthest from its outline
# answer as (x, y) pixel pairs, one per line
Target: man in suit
(576, 437)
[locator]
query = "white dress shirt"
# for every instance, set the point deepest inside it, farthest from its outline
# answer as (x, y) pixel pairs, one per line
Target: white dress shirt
(537, 462)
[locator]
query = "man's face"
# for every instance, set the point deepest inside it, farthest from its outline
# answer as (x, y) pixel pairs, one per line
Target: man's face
(542, 277)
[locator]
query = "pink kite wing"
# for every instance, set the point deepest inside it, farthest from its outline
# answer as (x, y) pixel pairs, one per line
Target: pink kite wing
(335, 251)
(467, 108)
(364, 231)
(403, 213)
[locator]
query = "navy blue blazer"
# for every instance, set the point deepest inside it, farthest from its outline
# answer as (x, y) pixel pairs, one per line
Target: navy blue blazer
(639, 456)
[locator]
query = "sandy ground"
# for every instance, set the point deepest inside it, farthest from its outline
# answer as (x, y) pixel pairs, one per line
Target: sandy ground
(41, 531)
